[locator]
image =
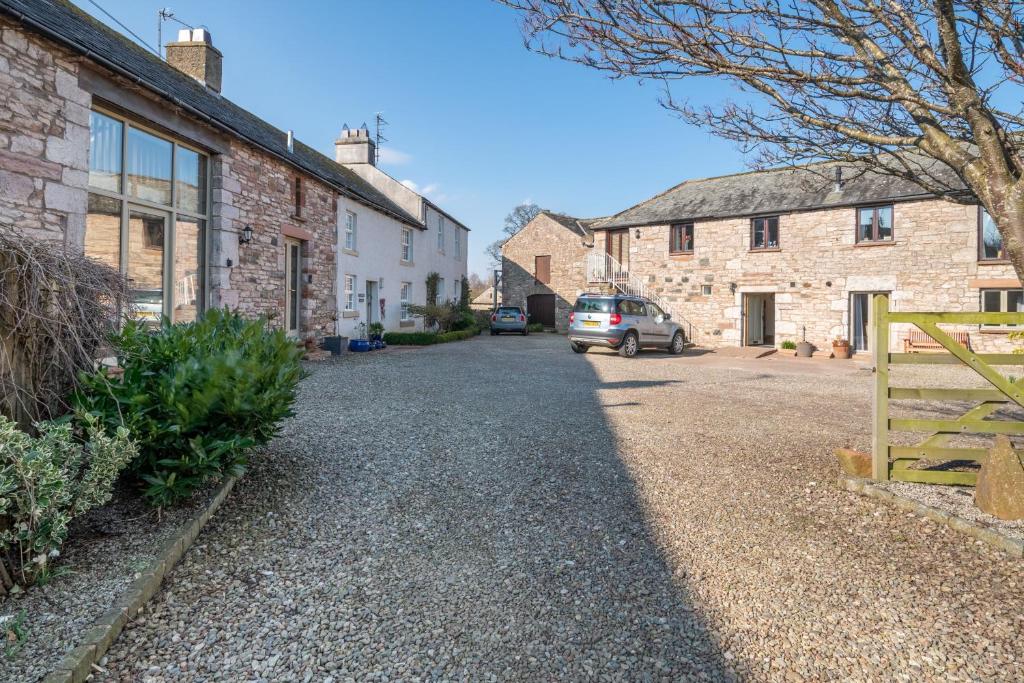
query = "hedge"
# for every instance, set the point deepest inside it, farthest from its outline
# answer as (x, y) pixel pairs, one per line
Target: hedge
(428, 338)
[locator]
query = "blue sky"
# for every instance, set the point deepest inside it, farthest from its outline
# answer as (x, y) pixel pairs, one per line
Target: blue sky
(476, 121)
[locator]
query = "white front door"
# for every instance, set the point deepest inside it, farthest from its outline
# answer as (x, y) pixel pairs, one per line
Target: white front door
(292, 287)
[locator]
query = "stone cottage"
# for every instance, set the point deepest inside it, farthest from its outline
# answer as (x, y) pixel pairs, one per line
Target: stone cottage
(542, 267)
(764, 257)
(145, 165)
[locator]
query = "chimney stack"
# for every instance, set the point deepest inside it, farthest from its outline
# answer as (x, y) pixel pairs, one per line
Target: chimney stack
(355, 147)
(194, 54)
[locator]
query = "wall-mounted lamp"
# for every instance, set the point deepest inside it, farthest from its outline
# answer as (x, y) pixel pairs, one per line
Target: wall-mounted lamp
(638, 233)
(732, 287)
(245, 236)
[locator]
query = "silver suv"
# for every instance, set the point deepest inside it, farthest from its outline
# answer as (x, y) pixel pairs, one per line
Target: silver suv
(626, 323)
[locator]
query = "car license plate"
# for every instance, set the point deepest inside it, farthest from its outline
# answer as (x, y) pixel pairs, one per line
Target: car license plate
(591, 323)
(506, 318)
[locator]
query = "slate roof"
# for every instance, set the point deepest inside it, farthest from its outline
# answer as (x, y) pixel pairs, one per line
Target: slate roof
(577, 225)
(61, 21)
(763, 192)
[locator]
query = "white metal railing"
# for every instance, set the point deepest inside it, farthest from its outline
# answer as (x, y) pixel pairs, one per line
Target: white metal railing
(185, 290)
(602, 267)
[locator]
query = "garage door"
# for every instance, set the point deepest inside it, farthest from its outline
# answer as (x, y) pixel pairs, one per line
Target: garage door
(541, 308)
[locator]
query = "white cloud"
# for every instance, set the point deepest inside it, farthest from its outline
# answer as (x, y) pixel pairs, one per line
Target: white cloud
(411, 184)
(431, 190)
(389, 155)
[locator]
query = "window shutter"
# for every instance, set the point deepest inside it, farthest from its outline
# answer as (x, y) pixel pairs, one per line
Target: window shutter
(542, 269)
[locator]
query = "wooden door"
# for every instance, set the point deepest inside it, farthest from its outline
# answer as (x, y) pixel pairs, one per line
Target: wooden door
(617, 245)
(541, 308)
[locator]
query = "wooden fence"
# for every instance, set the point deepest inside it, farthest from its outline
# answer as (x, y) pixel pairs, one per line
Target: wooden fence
(894, 462)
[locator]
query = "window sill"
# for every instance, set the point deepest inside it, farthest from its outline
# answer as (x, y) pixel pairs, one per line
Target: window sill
(997, 330)
(681, 255)
(350, 314)
(407, 323)
(297, 217)
(763, 251)
(993, 262)
(403, 262)
(879, 243)
(350, 252)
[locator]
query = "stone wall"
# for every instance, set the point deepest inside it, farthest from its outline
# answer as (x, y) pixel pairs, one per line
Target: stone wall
(44, 138)
(544, 236)
(253, 188)
(932, 264)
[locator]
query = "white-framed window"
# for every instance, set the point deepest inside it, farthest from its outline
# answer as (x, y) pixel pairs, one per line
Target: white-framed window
(456, 290)
(458, 242)
(350, 230)
(441, 294)
(440, 233)
(407, 244)
(405, 299)
(350, 292)
(1002, 301)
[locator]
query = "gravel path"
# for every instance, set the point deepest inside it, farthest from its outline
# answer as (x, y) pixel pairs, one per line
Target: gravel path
(503, 509)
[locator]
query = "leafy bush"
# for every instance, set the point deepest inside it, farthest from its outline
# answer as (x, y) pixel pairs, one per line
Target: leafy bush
(47, 481)
(535, 327)
(789, 345)
(482, 319)
(196, 397)
(447, 316)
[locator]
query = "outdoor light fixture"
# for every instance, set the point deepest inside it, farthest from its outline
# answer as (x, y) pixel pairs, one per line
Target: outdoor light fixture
(638, 233)
(732, 287)
(245, 236)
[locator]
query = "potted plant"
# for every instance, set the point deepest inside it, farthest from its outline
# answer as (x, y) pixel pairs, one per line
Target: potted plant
(360, 343)
(841, 348)
(376, 333)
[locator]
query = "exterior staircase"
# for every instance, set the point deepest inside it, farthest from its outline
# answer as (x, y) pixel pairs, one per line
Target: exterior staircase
(604, 270)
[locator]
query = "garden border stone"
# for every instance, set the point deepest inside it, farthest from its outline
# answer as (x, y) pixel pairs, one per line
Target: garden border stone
(1012, 546)
(77, 665)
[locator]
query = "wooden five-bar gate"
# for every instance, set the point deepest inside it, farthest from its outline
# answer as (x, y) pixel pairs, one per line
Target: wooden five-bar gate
(894, 462)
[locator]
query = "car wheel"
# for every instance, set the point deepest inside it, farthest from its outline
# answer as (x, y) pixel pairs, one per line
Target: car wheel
(630, 345)
(578, 348)
(677, 345)
(494, 333)
(526, 333)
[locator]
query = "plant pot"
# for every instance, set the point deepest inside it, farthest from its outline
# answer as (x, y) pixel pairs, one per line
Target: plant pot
(841, 351)
(336, 344)
(378, 344)
(804, 349)
(359, 345)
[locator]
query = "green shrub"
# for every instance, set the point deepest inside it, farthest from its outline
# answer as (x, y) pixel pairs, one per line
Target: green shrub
(47, 481)
(428, 338)
(789, 344)
(535, 327)
(410, 338)
(196, 397)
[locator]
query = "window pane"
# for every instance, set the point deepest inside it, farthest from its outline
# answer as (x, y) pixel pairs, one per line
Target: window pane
(146, 264)
(105, 152)
(885, 222)
(991, 300)
(758, 241)
(1014, 301)
(865, 218)
(188, 260)
(149, 167)
(991, 240)
(773, 232)
(103, 230)
(688, 237)
(191, 180)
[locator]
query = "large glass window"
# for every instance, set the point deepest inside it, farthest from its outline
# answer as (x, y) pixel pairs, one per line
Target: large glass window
(190, 179)
(105, 141)
(147, 216)
(149, 167)
(990, 242)
(874, 224)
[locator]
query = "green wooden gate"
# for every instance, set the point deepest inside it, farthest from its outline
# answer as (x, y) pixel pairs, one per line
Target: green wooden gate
(893, 462)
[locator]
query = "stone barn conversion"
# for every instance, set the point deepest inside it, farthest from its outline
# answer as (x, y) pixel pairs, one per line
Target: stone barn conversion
(759, 258)
(146, 166)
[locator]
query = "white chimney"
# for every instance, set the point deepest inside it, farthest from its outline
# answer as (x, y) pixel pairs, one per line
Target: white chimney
(354, 147)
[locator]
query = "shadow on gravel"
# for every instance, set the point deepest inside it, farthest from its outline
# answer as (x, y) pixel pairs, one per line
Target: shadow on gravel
(639, 384)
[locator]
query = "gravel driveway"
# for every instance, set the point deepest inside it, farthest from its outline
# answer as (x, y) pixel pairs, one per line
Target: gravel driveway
(503, 509)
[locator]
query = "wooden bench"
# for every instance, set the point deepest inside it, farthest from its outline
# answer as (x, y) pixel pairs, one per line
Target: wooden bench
(916, 340)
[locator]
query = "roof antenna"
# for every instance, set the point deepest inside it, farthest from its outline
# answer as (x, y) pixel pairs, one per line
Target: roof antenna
(162, 15)
(379, 136)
